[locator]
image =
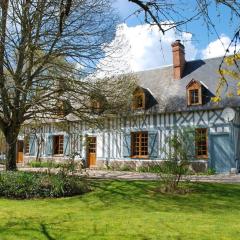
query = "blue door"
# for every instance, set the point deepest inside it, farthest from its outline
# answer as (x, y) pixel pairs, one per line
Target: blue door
(222, 154)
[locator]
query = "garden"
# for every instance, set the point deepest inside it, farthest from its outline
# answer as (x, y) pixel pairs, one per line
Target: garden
(115, 209)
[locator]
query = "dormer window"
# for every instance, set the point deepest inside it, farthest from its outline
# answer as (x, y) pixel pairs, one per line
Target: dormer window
(97, 103)
(96, 106)
(139, 99)
(194, 96)
(63, 108)
(194, 93)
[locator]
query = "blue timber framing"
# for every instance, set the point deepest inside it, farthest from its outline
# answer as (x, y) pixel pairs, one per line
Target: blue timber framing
(113, 144)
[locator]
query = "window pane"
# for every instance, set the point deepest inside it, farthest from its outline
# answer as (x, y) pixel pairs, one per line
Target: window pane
(58, 142)
(201, 142)
(27, 145)
(194, 97)
(138, 101)
(140, 144)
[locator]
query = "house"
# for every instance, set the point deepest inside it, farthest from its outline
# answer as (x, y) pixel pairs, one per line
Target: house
(169, 97)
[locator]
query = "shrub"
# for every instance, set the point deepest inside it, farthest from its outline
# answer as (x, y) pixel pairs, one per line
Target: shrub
(179, 152)
(71, 166)
(210, 171)
(171, 173)
(25, 185)
(151, 168)
(126, 167)
(48, 164)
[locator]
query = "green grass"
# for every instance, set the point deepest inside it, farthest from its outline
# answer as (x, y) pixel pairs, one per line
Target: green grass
(126, 210)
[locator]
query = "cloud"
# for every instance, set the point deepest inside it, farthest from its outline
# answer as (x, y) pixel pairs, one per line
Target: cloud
(218, 47)
(146, 47)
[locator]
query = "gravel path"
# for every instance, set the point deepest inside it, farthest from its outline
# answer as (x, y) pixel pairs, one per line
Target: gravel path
(104, 174)
(221, 178)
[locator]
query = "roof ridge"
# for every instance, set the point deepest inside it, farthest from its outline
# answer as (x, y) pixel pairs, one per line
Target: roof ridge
(170, 65)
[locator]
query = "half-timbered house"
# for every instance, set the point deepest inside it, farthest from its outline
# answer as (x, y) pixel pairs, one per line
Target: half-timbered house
(173, 96)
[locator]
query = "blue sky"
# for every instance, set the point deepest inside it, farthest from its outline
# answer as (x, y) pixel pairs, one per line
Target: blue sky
(150, 49)
(220, 15)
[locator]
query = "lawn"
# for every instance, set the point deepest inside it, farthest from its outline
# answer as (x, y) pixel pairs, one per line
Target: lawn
(126, 210)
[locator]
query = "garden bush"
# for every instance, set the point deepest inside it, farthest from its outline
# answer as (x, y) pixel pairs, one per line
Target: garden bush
(151, 168)
(178, 154)
(25, 185)
(69, 165)
(48, 164)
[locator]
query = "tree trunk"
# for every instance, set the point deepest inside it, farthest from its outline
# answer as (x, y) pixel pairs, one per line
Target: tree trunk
(11, 157)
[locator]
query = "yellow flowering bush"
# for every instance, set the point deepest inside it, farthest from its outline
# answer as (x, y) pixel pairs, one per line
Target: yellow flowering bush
(230, 61)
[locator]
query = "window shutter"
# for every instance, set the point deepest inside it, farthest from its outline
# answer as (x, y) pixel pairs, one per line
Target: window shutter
(32, 145)
(127, 145)
(50, 145)
(80, 145)
(190, 144)
(66, 145)
(153, 144)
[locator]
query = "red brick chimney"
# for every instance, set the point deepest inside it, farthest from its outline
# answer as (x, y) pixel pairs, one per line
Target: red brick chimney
(178, 59)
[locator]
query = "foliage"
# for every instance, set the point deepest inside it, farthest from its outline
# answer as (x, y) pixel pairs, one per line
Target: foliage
(48, 164)
(127, 210)
(68, 166)
(211, 171)
(50, 55)
(227, 72)
(151, 168)
(216, 99)
(126, 168)
(170, 173)
(23, 185)
(178, 155)
(71, 166)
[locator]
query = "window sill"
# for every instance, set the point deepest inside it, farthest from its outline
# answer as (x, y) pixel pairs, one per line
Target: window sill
(194, 104)
(204, 157)
(138, 109)
(140, 157)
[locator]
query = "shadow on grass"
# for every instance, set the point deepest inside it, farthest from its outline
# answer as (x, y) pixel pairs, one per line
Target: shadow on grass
(24, 230)
(45, 232)
(204, 196)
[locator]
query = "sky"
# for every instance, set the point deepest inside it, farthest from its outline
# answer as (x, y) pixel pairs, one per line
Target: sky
(148, 48)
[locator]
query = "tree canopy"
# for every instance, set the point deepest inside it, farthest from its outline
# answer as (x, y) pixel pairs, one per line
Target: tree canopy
(49, 52)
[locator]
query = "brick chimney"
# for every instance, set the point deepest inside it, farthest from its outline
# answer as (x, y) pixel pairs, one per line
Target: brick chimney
(178, 59)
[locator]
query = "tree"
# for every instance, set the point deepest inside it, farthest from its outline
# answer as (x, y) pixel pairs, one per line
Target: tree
(49, 51)
(178, 151)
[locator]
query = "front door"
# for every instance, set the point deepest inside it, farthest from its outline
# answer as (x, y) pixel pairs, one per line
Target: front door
(222, 153)
(91, 151)
(20, 151)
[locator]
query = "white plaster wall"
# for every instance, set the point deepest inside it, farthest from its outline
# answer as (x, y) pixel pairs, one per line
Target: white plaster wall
(99, 145)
